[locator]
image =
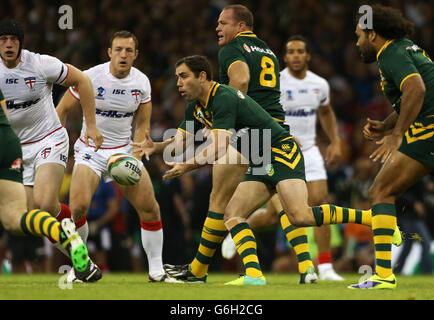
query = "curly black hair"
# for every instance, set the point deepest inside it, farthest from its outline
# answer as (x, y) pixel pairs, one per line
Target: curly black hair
(390, 23)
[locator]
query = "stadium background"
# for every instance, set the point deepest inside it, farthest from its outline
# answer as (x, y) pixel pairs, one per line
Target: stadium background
(170, 29)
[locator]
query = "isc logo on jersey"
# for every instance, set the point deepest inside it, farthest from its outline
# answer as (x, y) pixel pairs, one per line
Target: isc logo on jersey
(124, 169)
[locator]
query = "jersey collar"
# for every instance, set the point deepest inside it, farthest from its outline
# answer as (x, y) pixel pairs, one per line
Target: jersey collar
(385, 45)
(245, 34)
(211, 93)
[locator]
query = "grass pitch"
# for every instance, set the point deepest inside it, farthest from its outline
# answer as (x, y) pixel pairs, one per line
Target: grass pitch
(120, 286)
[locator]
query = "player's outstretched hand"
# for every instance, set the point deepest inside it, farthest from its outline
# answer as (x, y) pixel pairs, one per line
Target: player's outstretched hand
(94, 134)
(178, 169)
(389, 144)
(374, 129)
(146, 147)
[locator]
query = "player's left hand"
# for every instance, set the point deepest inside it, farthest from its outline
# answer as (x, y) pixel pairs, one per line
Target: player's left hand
(94, 134)
(389, 144)
(178, 169)
(333, 153)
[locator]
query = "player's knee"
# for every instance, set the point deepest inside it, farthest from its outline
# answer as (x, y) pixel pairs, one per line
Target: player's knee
(50, 206)
(78, 211)
(379, 192)
(296, 218)
(149, 211)
(12, 224)
(218, 201)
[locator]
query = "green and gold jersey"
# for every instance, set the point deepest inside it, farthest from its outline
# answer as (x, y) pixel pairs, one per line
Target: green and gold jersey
(400, 59)
(229, 109)
(264, 86)
(3, 118)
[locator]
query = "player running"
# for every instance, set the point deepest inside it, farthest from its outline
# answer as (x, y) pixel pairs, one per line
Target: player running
(14, 215)
(406, 136)
(249, 65)
(304, 96)
(27, 79)
(122, 94)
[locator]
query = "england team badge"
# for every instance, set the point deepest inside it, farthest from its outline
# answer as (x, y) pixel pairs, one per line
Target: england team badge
(30, 82)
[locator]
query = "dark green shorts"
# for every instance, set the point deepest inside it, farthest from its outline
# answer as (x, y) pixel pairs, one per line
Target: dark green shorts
(418, 141)
(11, 163)
(287, 162)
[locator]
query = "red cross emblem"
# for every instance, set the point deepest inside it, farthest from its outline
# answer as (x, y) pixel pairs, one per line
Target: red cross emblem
(135, 94)
(30, 81)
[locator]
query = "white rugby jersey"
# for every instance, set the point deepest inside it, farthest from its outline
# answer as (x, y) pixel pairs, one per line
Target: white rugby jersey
(300, 99)
(116, 101)
(28, 92)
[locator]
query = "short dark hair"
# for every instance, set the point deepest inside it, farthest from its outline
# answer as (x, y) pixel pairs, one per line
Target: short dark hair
(390, 23)
(124, 34)
(241, 13)
(197, 64)
(299, 37)
(14, 28)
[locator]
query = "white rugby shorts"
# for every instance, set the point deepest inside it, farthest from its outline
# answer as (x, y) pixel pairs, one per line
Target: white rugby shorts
(53, 148)
(314, 164)
(97, 161)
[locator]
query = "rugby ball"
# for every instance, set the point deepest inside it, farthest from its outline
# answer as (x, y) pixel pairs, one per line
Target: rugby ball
(124, 169)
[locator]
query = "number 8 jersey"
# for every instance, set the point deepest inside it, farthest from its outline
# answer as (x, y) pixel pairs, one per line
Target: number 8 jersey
(264, 85)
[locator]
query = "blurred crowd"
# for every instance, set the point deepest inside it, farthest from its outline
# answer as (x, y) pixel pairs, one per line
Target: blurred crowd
(170, 29)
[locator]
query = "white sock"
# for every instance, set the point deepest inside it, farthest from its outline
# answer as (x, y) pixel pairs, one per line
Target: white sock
(324, 267)
(152, 242)
(83, 232)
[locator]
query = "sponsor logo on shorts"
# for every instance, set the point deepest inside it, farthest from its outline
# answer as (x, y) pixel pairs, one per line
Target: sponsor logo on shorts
(87, 156)
(45, 153)
(17, 165)
(269, 169)
(286, 147)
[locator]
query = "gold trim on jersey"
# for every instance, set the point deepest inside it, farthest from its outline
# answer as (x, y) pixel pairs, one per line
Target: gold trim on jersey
(224, 130)
(213, 89)
(227, 71)
(287, 138)
(410, 75)
(182, 130)
(385, 45)
(245, 34)
(278, 120)
(418, 131)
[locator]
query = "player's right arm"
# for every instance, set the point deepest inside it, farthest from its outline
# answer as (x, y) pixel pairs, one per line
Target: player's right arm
(232, 63)
(239, 76)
